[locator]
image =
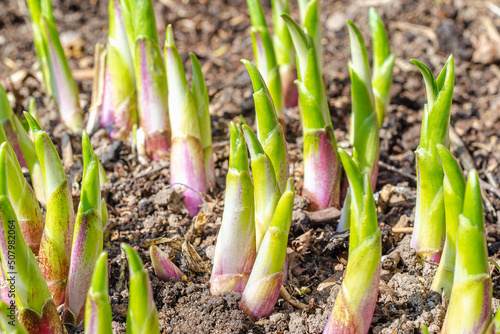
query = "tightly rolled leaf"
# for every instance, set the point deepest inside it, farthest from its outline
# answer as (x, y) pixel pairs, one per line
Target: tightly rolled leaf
(265, 56)
(235, 250)
(164, 268)
(187, 164)
(55, 247)
(270, 131)
(57, 74)
(454, 190)
(36, 309)
(9, 128)
(310, 19)
(151, 82)
(23, 200)
(469, 310)
(264, 284)
(142, 315)
(383, 65)
(285, 57)
(321, 162)
(98, 315)
(429, 228)
(355, 303)
(87, 237)
(266, 190)
(119, 106)
(200, 96)
(31, 158)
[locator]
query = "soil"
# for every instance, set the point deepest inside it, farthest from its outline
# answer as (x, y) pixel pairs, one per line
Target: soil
(144, 210)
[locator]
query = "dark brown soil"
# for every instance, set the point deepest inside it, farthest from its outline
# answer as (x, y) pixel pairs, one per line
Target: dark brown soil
(144, 210)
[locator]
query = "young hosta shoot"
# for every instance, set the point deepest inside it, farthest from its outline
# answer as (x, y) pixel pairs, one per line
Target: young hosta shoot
(142, 315)
(36, 309)
(270, 131)
(200, 96)
(164, 268)
(383, 65)
(98, 315)
(187, 164)
(265, 56)
(119, 105)
(55, 247)
(57, 75)
(264, 284)
(321, 162)
(310, 19)
(266, 190)
(8, 320)
(429, 228)
(355, 303)
(285, 56)
(151, 81)
(235, 250)
(87, 237)
(454, 190)
(364, 123)
(23, 200)
(22, 144)
(469, 310)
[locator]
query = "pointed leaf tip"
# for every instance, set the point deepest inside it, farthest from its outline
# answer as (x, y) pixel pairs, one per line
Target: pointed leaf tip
(32, 122)
(169, 36)
(134, 260)
(252, 141)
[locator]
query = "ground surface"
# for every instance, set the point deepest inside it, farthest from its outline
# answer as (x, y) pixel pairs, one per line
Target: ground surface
(143, 210)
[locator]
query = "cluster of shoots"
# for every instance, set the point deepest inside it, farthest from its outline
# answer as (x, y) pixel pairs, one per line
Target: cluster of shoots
(141, 89)
(54, 66)
(67, 245)
(251, 246)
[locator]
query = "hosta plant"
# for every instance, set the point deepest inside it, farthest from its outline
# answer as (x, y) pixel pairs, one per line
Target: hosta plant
(264, 284)
(187, 163)
(55, 69)
(469, 310)
(321, 161)
(164, 268)
(235, 250)
(429, 229)
(98, 315)
(355, 303)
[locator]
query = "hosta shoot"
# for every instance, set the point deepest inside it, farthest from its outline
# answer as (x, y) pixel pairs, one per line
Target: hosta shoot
(55, 247)
(430, 226)
(469, 310)
(269, 131)
(321, 161)
(264, 284)
(310, 19)
(235, 250)
(454, 190)
(98, 315)
(36, 309)
(57, 75)
(187, 164)
(87, 237)
(355, 303)
(151, 81)
(119, 105)
(142, 315)
(164, 268)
